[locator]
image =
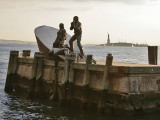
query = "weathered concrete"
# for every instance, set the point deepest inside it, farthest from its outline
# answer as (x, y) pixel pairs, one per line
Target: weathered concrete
(11, 73)
(86, 82)
(104, 85)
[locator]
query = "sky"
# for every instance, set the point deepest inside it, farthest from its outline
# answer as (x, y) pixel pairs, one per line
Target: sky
(136, 21)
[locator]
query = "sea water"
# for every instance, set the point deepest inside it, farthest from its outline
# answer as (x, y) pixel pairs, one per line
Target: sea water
(15, 107)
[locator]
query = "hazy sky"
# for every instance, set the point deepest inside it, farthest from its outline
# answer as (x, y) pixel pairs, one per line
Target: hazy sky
(136, 21)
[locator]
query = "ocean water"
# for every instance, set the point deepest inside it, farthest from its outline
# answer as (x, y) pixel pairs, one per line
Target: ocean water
(15, 107)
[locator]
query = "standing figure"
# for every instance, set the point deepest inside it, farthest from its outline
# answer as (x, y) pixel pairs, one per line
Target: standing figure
(61, 37)
(76, 25)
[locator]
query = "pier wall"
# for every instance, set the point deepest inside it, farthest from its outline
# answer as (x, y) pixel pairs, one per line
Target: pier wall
(99, 86)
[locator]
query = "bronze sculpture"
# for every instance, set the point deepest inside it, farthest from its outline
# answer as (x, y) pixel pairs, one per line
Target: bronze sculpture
(76, 25)
(61, 37)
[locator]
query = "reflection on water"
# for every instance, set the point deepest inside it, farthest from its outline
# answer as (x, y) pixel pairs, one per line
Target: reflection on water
(14, 107)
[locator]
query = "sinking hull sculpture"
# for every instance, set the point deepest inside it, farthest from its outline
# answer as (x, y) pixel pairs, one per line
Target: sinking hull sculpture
(46, 36)
(106, 86)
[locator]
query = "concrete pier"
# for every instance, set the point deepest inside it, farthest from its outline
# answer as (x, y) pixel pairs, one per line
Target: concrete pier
(103, 86)
(86, 82)
(12, 69)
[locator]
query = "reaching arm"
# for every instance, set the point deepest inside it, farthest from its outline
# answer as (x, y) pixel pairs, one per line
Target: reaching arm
(72, 26)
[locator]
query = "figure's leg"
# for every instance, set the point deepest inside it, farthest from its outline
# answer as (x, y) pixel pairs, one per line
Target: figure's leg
(73, 38)
(61, 43)
(79, 44)
(56, 44)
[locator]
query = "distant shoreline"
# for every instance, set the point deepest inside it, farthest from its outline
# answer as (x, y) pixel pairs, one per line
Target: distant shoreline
(124, 44)
(119, 44)
(7, 42)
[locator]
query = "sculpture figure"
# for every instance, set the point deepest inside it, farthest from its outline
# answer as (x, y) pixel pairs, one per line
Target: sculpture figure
(61, 37)
(76, 25)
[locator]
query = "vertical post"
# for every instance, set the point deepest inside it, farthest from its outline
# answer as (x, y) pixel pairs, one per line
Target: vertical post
(26, 53)
(54, 95)
(38, 83)
(64, 81)
(153, 55)
(12, 67)
(66, 69)
(55, 88)
(86, 82)
(33, 76)
(105, 83)
(71, 79)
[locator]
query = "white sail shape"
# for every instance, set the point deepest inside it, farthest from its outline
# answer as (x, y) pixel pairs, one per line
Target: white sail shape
(46, 36)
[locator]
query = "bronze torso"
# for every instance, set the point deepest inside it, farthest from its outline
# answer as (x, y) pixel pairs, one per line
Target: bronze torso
(76, 25)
